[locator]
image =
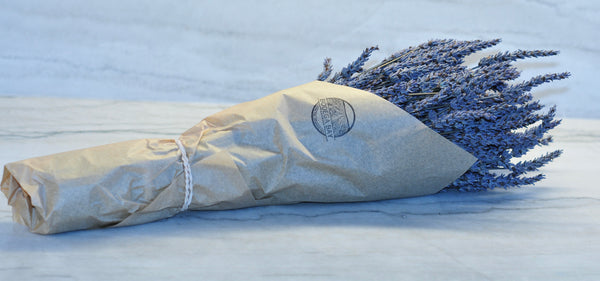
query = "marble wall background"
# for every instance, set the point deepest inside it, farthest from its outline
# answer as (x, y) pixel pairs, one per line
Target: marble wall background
(234, 51)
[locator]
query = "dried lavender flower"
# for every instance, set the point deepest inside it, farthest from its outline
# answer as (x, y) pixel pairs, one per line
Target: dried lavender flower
(327, 68)
(476, 108)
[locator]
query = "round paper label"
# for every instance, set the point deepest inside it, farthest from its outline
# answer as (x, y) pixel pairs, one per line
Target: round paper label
(333, 117)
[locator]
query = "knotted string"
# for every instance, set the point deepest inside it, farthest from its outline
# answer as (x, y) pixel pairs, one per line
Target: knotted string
(187, 171)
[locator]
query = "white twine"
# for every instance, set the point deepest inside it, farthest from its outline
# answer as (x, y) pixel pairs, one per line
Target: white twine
(187, 171)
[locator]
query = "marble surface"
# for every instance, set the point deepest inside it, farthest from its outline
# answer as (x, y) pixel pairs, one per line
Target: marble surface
(547, 232)
(75, 74)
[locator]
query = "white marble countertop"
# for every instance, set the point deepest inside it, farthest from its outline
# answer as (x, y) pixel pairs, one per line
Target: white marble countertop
(75, 74)
(545, 232)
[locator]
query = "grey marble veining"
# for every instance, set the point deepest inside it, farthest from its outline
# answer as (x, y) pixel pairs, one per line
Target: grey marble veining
(546, 232)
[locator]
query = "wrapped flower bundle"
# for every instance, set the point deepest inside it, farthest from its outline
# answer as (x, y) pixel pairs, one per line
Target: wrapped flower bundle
(414, 124)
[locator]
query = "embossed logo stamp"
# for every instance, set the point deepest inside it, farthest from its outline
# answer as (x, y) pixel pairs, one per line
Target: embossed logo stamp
(333, 117)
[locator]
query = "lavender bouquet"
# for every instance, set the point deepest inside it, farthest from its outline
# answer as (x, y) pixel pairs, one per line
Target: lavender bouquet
(414, 124)
(476, 108)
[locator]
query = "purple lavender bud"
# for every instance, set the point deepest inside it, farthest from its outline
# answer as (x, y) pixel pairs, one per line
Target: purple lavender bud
(513, 56)
(327, 68)
(355, 66)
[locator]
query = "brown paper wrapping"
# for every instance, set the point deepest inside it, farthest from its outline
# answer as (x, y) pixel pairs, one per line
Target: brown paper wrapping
(317, 142)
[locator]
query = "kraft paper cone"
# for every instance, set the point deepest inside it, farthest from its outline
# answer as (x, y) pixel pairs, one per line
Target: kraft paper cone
(317, 142)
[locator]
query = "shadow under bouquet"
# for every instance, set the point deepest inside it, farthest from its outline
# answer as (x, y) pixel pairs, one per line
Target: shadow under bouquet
(416, 123)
